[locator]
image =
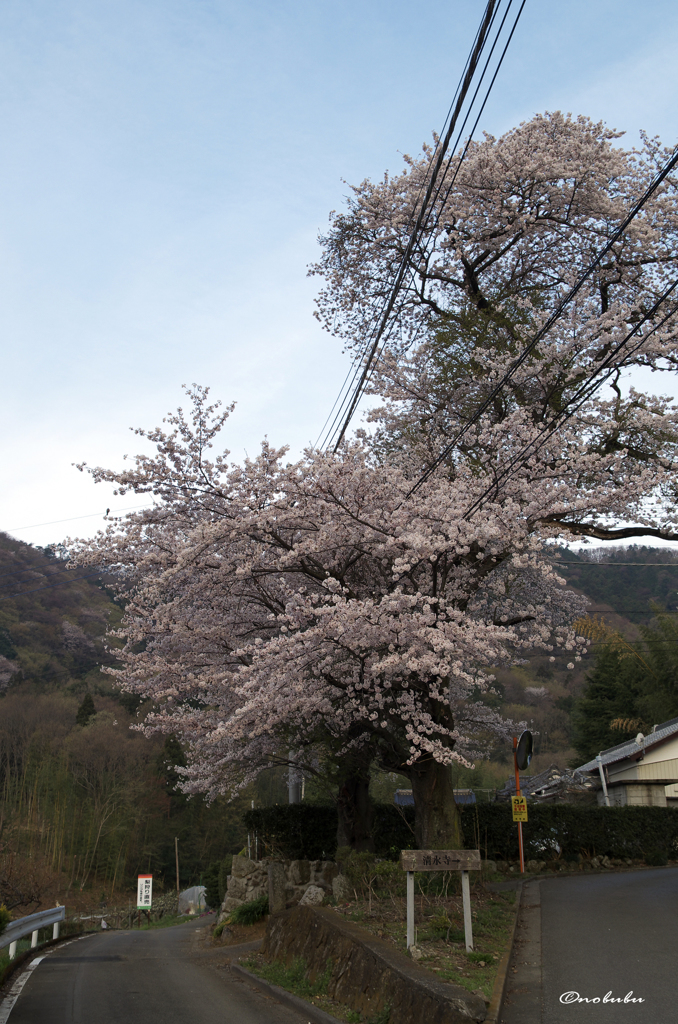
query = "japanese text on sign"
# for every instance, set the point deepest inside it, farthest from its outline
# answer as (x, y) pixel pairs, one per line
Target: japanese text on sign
(144, 892)
(519, 805)
(440, 860)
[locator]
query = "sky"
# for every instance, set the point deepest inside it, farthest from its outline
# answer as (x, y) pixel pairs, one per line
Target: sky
(167, 168)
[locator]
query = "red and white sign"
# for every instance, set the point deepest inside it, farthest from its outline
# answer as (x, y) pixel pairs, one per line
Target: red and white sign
(144, 892)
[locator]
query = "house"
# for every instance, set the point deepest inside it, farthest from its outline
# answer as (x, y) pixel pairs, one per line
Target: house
(552, 786)
(640, 772)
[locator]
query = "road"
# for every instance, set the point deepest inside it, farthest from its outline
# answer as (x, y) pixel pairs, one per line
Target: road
(597, 937)
(163, 976)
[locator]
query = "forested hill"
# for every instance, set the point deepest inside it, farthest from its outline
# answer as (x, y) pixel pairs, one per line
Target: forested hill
(87, 802)
(52, 619)
(604, 575)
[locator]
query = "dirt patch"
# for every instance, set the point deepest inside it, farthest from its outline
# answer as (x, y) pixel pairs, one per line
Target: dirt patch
(239, 934)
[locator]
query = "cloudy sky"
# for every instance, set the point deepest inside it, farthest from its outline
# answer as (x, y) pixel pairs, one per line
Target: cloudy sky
(167, 166)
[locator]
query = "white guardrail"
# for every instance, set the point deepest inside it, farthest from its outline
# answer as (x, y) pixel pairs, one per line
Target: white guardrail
(30, 925)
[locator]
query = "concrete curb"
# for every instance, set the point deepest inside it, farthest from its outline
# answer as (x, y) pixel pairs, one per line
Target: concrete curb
(499, 990)
(315, 1015)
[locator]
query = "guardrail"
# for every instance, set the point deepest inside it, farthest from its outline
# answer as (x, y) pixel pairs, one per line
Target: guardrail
(31, 925)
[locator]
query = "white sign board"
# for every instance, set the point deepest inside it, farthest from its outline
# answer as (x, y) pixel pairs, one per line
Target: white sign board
(144, 892)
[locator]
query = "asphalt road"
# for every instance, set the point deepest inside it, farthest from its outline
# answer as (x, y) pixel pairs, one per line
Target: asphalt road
(597, 937)
(164, 976)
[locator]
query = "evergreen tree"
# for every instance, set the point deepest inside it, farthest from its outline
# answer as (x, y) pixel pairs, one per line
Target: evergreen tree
(628, 692)
(86, 711)
(170, 757)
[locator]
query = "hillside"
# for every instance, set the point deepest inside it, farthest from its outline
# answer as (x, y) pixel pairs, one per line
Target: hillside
(87, 802)
(604, 575)
(52, 620)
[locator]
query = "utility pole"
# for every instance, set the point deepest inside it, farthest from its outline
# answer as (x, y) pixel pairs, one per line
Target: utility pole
(601, 770)
(176, 854)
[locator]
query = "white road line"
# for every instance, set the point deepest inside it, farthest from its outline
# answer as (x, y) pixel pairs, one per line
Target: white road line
(7, 1004)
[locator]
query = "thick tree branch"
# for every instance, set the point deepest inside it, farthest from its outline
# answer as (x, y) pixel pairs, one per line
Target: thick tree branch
(600, 533)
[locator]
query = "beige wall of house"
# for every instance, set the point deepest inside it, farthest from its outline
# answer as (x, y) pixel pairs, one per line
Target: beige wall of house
(635, 795)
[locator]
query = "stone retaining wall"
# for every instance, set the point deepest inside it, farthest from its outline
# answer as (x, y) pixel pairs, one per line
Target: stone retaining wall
(249, 880)
(367, 974)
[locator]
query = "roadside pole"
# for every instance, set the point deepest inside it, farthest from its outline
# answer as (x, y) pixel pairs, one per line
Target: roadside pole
(601, 770)
(410, 909)
(520, 824)
(466, 899)
(176, 854)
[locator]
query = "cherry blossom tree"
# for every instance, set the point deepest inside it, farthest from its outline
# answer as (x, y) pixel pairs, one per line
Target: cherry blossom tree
(519, 220)
(328, 604)
(276, 605)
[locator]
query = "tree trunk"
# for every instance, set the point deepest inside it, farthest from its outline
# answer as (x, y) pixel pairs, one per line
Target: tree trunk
(355, 810)
(437, 825)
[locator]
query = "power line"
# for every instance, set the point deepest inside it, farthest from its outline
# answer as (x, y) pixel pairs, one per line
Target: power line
(608, 564)
(371, 348)
(582, 395)
(359, 356)
(529, 348)
(91, 515)
(427, 248)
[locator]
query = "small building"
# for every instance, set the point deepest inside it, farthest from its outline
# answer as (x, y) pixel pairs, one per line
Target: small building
(405, 798)
(552, 786)
(639, 772)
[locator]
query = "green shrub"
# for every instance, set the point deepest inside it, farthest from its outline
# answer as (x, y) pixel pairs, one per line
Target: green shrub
(567, 830)
(5, 918)
(250, 913)
(309, 831)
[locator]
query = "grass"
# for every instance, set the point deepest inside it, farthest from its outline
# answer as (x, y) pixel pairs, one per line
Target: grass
(440, 938)
(293, 979)
(440, 931)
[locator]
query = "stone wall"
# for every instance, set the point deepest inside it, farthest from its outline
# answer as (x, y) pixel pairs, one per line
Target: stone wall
(249, 880)
(367, 974)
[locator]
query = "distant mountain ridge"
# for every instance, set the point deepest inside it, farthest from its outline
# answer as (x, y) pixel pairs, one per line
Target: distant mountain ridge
(52, 623)
(630, 589)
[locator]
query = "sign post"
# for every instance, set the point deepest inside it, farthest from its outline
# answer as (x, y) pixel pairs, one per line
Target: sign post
(440, 860)
(522, 755)
(144, 894)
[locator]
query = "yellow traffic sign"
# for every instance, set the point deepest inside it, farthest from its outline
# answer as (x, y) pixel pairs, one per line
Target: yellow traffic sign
(519, 806)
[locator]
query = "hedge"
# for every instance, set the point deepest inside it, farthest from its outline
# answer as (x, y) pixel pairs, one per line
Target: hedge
(568, 830)
(309, 831)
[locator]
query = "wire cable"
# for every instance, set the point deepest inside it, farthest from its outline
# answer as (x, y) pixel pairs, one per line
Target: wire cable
(371, 351)
(574, 404)
(552, 319)
(435, 199)
(91, 515)
(360, 355)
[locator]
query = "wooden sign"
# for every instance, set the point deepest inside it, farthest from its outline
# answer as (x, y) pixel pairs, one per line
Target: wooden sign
(519, 805)
(440, 860)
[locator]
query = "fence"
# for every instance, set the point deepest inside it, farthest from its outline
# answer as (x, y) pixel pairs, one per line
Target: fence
(31, 925)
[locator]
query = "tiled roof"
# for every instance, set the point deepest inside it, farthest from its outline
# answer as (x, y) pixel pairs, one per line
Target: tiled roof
(631, 748)
(551, 777)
